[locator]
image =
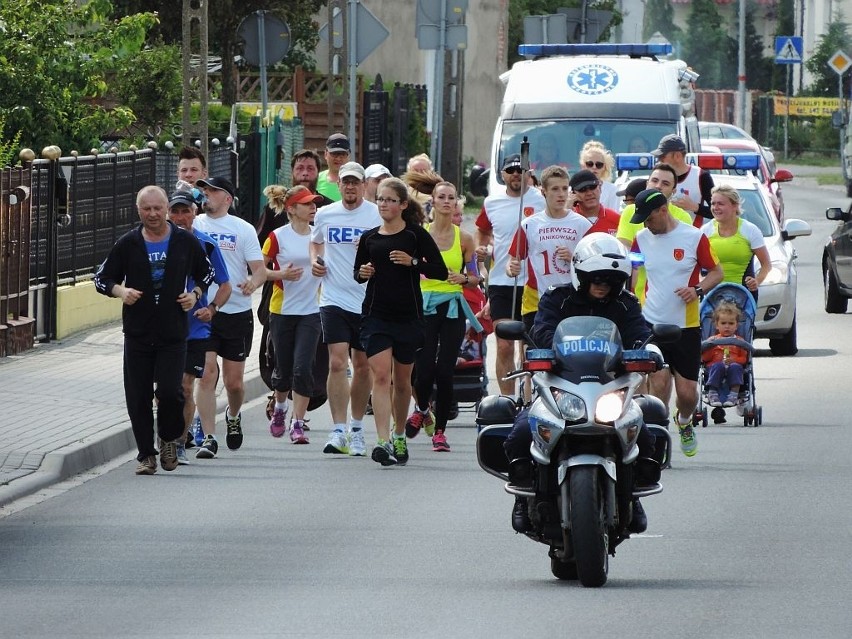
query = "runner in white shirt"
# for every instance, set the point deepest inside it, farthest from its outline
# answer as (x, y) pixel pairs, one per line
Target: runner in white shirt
(547, 241)
(232, 326)
(334, 242)
(496, 227)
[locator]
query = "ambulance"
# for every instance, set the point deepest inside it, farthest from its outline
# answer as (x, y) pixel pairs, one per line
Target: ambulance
(626, 96)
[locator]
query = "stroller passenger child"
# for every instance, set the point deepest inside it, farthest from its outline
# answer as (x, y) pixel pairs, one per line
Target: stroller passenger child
(725, 362)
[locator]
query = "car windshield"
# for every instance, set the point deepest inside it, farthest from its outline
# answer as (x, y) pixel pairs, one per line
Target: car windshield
(719, 130)
(754, 210)
(559, 142)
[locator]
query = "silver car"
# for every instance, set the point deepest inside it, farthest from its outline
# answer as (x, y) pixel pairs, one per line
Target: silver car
(776, 303)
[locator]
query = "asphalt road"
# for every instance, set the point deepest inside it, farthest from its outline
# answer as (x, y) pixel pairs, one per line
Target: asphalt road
(749, 539)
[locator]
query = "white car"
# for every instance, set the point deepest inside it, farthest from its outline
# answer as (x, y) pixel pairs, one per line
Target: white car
(776, 303)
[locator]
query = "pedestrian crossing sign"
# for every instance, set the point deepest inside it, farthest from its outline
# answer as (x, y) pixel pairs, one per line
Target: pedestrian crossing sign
(788, 50)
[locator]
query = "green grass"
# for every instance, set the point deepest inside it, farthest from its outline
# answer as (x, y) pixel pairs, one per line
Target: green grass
(830, 178)
(809, 159)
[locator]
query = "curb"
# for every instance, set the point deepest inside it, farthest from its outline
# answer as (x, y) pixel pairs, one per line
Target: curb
(93, 451)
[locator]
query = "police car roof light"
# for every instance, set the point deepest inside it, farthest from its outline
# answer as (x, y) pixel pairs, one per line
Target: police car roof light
(634, 162)
(635, 50)
(722, 161)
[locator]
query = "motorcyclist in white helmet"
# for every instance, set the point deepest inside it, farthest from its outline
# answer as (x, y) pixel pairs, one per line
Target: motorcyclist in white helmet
(600, 269)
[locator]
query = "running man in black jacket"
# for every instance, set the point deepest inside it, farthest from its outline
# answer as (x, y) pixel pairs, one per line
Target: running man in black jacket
(147, 269)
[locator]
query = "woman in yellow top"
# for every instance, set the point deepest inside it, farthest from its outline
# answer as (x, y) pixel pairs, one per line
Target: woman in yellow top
(444, 311)
(736, 241)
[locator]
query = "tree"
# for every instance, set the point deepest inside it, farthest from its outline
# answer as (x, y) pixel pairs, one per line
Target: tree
(519, 9)
(825, 78)
(659, 17)
(759, 68)
(55, 57)
(708, 47)
(224, 17)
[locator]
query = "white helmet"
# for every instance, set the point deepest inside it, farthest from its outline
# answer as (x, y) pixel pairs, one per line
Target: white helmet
(600, 255)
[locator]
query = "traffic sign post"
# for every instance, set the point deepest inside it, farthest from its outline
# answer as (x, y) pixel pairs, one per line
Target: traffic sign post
(267, 41)
(788, 50)
(840, 63)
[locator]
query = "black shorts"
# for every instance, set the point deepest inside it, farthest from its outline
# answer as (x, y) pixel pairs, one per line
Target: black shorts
(196, 352)
(403, 338)
(500, 298)
(231, 335)
(684, 355)
(340, 326)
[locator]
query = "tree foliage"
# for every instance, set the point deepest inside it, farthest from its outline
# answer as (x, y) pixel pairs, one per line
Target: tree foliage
(224, 17)
(55, 58)
(519, 9)
(707, 46)
(759, 67)
(825, 78)
(150, 84)
(659, 17)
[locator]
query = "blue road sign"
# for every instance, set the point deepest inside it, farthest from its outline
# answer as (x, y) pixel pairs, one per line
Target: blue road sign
(788, 50)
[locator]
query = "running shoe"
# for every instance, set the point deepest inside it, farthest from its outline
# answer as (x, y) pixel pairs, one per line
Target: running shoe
(189, 440)
(147, 466)
(197, 431)
(383, 454)
(183, 460)
(336, 444)
(208, 449)
(400, 449)
(439, 442)
(357, 445)
(297, 433)
(418, 420)
(688, 441)
(168, 455)
(234, 438)
(278, 423)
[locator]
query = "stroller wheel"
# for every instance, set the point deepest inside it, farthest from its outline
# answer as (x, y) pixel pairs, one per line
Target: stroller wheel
(703, 418)
(759, 416)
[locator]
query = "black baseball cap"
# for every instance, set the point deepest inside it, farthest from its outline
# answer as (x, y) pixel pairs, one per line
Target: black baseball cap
(220, 183)
(337, 143)
(512, 161)
(582, 179)
(181, 197)
(647, 202)
(669, 144)
(633, 188)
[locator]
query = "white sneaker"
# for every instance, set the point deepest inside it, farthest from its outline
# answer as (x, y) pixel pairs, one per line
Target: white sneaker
(357, 446)
(337, 444)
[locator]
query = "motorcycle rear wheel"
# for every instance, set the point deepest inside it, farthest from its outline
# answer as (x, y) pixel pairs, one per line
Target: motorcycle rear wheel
(588, 526)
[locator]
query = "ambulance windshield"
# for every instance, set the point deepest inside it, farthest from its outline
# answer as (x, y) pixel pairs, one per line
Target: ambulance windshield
(559, 141)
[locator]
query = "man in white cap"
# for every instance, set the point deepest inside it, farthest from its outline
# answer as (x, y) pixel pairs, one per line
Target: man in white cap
(232, 325)
(336, 155)
(334, 241)
(374, 174)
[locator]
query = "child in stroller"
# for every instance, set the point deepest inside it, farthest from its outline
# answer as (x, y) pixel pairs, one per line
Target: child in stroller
(726, 379)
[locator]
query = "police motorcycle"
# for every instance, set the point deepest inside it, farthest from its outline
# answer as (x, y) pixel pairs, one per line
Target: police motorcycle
(585, 420)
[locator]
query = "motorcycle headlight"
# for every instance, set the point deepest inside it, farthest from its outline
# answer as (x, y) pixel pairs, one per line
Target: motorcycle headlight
(609, 407)
(573, 408)
(778, 274)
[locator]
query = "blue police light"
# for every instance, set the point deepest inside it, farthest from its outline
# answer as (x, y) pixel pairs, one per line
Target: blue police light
(634, 161)
(636, 50)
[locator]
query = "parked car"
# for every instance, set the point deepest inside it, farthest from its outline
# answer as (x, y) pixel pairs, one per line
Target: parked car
(837, 262)
(771, 177)
(722, 130)
(776, 304)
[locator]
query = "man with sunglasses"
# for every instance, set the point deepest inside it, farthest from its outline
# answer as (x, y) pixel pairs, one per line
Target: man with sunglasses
(587, 188)
(694, 186)
(495, 228)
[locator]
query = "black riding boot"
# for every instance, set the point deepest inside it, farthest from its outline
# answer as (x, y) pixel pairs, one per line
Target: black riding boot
(520, 476)
(639, 522)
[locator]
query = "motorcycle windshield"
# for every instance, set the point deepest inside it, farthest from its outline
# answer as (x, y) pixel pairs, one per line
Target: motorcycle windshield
(590, 346)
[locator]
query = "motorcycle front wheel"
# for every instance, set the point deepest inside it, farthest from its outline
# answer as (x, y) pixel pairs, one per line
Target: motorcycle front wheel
(588, 526)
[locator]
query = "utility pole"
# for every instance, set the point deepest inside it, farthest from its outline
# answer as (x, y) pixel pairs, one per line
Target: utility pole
(194, 34)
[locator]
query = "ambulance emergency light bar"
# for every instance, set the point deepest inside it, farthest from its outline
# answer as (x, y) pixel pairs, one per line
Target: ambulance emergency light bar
(606, 48)
(707, 161)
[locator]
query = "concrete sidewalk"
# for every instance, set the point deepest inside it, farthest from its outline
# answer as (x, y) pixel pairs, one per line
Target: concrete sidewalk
(64, 409)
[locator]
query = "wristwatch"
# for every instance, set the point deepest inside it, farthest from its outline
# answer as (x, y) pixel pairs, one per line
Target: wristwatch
(698, 290)
(213, 306)
(414, 261)
(466, 278)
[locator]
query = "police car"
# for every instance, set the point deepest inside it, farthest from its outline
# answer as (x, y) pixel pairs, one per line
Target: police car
(776, 305)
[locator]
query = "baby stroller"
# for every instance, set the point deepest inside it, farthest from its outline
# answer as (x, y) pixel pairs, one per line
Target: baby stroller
(747, 407)
(470, 381)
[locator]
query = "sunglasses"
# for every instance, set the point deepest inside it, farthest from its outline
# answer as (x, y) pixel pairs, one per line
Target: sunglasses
(597, 165)
(515, 170)
(586, 189)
